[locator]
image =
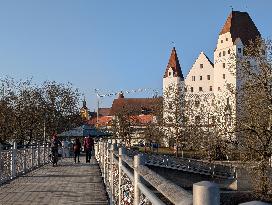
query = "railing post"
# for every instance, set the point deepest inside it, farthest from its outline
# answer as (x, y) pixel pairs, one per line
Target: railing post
(111, 175)
(32, 156)
(44, 147)
(39, 155)
(13, 160)
(24, 162)
(1, 164)
(48, 152)
(138, 160)
(206, 193)
(104, 161)
(121, 152)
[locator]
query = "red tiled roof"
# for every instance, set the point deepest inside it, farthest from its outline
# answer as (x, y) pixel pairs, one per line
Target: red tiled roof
(240, 25)
(102, 121)
(142, 119)
(134, 105)
(104, 111)
(174, 64)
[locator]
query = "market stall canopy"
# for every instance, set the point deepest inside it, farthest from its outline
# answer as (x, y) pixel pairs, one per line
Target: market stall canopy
(83, 131)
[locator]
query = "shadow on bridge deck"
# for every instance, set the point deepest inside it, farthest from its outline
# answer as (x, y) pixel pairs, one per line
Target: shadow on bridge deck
(68, 183)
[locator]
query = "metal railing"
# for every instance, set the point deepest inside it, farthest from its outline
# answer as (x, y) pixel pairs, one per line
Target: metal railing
(18, 161)
(129, 181)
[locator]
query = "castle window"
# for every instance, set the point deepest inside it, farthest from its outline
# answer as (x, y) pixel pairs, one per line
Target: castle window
(224, 76)
(219, 88)
(227, 39)
(193, 78)
(185, 89)
(239, 50)
(200, 89)
(210, 88)
(224, 53)
(221, 41)
(224, 65)
(192, 89)
(200, 77)
(201, 65)
(219, 54)
(208, 77)
(263, 52)
(169, 73)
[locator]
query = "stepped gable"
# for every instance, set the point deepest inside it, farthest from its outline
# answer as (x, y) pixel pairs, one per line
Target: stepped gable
(240, 25)
(134, 105)
(174, 64)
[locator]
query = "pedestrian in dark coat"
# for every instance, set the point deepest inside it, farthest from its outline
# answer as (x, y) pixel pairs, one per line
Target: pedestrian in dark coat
(77, 147)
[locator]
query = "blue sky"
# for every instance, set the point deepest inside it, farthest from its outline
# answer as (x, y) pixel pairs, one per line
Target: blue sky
(112, 45)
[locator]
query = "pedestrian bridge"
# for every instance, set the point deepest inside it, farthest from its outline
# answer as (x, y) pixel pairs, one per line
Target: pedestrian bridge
(67, 183)
(112, 177)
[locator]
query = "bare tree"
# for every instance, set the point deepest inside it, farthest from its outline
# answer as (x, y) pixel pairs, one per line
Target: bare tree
(254, 110)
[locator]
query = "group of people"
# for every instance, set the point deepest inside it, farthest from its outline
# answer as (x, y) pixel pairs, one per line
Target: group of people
(88, 144)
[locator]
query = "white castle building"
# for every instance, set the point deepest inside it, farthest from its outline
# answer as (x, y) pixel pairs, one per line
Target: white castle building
(207, 78)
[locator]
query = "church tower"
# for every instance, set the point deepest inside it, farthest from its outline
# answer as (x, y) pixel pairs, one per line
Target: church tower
(84, 111)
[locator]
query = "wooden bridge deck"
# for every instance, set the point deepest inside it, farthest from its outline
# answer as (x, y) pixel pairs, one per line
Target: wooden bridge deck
(68, 183)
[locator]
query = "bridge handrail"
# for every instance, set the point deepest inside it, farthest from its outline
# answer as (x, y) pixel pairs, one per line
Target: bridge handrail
(108, 157)
(15, 162)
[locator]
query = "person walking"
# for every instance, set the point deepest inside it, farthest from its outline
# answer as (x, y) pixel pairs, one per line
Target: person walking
(88, 147)
(77, 147)
(54, 144)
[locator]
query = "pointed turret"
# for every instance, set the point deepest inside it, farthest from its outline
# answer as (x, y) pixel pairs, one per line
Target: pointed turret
(174, 64)
(240, 25)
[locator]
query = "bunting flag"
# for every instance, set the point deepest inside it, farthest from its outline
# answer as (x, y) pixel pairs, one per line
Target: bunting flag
(127, 91)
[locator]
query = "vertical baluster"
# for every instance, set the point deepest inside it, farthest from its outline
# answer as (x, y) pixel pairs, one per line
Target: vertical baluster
(44, 147)
(138, 160)
(32, 156)
(1, 164)
(13, 160)
(39, 154)
(24, 162)
(111, 171)
(104, 161)
(121, 152)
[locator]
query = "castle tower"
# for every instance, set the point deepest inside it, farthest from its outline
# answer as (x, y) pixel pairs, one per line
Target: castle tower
(173, 75)
(238, 31)
(173, 93)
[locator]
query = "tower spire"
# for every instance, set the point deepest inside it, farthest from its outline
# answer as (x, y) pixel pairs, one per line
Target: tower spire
(174, 64)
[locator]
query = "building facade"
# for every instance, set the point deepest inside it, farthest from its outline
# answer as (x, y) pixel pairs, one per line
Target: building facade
(208, 83)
